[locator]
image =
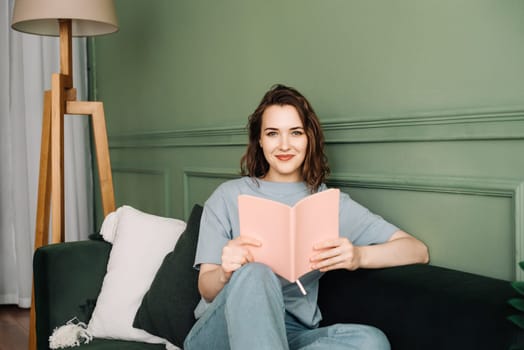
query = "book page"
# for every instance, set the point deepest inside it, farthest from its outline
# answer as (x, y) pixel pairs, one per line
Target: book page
(316, 221)
(268, 221)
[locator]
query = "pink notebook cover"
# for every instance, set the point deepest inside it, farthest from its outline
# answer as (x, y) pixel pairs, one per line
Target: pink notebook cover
(289, 233)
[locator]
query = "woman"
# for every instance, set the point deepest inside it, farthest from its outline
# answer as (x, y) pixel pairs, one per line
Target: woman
(244, 304)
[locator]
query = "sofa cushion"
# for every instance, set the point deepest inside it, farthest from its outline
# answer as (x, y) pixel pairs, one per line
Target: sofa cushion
(140, 242)
(167, 308)
(423, 306)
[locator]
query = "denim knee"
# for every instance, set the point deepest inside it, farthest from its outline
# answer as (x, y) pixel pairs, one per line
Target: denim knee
(368, 337)
(254, 281)
(256, 273)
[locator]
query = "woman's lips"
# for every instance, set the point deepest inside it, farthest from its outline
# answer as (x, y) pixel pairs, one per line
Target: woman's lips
(285, 157)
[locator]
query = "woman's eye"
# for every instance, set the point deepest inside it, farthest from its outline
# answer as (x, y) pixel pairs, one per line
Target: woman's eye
(271, 133)
(297, 133)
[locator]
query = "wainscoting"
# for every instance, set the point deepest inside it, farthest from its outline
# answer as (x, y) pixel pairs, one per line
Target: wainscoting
(453, 179)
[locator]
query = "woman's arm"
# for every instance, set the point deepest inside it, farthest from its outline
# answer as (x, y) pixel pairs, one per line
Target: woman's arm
(212, 278)
(400, 249)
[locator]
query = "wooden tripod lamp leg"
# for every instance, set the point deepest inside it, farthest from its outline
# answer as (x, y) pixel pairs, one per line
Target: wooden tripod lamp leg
(44, 180)
(102, 155)
(42, 208)
(57, 156)
(96, 110)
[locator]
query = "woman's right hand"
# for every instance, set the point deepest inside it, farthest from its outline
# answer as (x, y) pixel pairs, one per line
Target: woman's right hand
(213, 277)
(236, 253)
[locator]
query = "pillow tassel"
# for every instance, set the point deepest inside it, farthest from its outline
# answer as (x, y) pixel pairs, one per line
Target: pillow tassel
(73, 333)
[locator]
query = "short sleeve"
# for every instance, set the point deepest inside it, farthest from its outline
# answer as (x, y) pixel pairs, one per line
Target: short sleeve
(215, 230)
(361, 226)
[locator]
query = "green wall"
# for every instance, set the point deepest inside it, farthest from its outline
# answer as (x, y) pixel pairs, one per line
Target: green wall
(422, 103)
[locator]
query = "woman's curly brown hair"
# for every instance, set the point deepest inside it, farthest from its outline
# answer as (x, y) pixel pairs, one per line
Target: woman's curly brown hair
(315, 168)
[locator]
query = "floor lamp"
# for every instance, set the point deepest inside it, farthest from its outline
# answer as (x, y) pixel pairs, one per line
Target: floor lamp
(65, 19)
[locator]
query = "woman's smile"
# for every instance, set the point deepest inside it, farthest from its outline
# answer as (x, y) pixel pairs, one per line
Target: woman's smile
(284, 157)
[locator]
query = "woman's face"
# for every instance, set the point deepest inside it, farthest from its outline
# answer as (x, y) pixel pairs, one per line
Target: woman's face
(284, 143)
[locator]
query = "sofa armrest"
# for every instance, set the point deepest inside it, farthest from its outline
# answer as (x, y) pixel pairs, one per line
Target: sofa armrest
(423, 306)
(67, 281)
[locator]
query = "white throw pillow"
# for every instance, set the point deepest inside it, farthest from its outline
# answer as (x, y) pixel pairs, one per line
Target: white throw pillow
(108, 229)
(140, 243)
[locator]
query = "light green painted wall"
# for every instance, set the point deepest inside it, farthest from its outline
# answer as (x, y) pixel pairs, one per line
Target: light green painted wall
(422, 103)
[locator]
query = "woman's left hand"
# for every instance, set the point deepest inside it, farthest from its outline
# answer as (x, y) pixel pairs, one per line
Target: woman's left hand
(335, 254)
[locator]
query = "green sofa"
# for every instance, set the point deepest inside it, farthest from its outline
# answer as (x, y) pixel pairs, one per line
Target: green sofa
(417, 306)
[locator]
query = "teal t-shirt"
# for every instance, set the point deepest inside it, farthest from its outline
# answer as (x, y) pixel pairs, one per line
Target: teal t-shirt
(220, 223)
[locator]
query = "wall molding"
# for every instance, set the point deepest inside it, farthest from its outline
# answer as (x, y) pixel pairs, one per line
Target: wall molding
(163, 172)
(487, 187)
(226, 174)
(472, 186)
(512, 189)
(231, 136)
(446, 126)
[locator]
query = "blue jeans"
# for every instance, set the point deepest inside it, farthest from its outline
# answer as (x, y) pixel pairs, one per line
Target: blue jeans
(249, 314)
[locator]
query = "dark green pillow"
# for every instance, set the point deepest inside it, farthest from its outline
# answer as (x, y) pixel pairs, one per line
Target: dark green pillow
(167, 308)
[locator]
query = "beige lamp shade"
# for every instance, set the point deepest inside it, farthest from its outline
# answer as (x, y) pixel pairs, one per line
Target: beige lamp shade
(89, 17)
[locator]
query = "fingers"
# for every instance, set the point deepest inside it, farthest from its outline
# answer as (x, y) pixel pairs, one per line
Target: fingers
(331, 243)
(334, 263)
(247, 240)
(331, 248)
(236, 253)
(330, 260)
(232, 262)
(335, 254)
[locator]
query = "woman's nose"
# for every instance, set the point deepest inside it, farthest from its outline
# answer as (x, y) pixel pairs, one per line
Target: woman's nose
(284, 143)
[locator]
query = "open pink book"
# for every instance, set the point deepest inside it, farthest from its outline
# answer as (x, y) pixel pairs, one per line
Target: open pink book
(289, 233)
